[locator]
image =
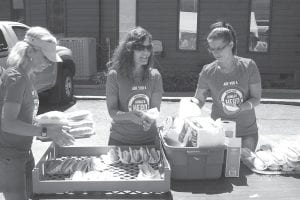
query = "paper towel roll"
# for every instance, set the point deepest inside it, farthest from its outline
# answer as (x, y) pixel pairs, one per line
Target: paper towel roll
(229, 128)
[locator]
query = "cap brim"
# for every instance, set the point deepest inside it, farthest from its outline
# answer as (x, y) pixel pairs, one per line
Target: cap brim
(54, 57)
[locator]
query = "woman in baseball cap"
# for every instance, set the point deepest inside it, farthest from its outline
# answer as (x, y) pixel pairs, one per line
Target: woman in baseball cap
(18, 106)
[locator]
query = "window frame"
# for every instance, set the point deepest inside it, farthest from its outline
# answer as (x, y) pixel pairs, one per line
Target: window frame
(270, 30)
(178, 31)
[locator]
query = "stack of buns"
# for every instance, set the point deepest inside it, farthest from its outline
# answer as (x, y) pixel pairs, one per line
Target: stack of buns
(282, 157)
(77, 123)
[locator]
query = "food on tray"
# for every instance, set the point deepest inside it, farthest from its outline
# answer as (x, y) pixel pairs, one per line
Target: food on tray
(124, 156)
(81, 131)
(281, 157)
(135, 155)
(78, 115)
(53, 166)
(249, 157)
(97, 164)
(77, 176)
(144, 154)
(83, 165)
(146, 171)
(154, 155)
(67, 166)
(111, 157)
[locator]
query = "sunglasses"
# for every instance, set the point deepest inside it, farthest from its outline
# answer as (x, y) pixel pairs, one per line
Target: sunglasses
(219, 49)
(140, 47)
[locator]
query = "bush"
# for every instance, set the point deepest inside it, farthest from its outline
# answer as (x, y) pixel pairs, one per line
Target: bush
(179, 81)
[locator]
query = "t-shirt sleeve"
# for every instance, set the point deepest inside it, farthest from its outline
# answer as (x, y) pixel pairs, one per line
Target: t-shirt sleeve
(254, 75)
(111, 83)
(15, 89)
(158, 84)
(202, 80)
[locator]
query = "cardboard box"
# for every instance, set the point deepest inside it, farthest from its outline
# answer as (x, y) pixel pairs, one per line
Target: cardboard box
(233, 156)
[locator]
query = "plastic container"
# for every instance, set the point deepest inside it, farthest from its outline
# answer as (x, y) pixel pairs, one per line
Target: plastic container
(192, 163)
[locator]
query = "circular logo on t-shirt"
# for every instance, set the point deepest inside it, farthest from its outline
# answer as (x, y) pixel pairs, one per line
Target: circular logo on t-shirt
(139, 102)
(231, 99)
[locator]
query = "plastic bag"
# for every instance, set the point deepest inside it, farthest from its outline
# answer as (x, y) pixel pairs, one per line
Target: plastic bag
(187, 108)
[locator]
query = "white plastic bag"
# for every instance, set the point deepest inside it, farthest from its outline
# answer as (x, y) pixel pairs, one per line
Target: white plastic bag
(187, 108)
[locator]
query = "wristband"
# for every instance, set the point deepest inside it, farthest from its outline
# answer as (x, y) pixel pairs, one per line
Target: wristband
(251, 105)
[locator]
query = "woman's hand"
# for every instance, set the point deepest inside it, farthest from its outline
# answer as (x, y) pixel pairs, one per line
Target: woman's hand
(230, 109)
(60, 135)
(146, 121)
(136, 117)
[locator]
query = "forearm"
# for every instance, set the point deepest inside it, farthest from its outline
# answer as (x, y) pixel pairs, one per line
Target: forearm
(118, 115)
(18, 127)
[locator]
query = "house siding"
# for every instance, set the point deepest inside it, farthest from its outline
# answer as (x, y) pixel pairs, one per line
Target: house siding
(5, 10)
(160, 18)
(109, 29)
(82, 18)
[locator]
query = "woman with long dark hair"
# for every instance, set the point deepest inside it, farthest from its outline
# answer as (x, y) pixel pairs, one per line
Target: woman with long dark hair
(133, 86)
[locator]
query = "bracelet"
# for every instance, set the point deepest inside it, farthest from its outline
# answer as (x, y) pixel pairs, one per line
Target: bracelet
(251, 105)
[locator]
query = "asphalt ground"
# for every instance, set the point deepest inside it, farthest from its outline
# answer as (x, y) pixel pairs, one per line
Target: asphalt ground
(278, 115)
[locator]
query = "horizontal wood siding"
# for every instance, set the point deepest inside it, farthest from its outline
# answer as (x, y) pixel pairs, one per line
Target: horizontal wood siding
(82, 18)
(109, 29)
(160, 18)
(5, 9)
(284, 55)
(37, 13)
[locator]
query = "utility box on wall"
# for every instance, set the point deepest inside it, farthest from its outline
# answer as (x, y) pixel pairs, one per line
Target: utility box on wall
(84, 55)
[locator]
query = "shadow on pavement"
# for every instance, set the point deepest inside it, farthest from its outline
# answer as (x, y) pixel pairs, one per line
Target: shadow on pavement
(46, 107)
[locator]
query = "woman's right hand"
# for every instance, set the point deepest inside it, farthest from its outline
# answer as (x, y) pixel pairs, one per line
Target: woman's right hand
(136, 117)
(60, 135)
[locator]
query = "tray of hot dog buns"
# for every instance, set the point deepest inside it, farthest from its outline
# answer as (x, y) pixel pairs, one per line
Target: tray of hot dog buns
(283, 158)
(101, 168)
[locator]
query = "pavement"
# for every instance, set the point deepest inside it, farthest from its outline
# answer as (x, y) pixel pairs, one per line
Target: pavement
(278, 96)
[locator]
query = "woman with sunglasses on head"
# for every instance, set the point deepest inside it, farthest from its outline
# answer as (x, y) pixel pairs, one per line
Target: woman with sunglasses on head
(19, 106)
(133, 86)
(233, 82)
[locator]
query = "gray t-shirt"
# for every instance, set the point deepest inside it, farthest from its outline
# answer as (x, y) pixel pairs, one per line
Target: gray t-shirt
(231, 88)
(133, 96)
(17, 88)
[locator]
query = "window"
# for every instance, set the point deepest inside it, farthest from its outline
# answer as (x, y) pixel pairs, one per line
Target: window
(127, 17)
(56, 16)
(3, 43)
(188, 23)
(259, 34)
(20, 31)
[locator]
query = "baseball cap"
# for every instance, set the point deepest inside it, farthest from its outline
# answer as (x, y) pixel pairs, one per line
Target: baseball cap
(47, 46)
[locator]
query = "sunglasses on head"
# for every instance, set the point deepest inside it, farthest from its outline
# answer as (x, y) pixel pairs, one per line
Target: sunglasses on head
(140, 47)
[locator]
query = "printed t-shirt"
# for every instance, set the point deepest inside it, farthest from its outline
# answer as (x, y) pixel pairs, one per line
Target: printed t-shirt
(131, 97)
(17, 88)
(231, 88)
